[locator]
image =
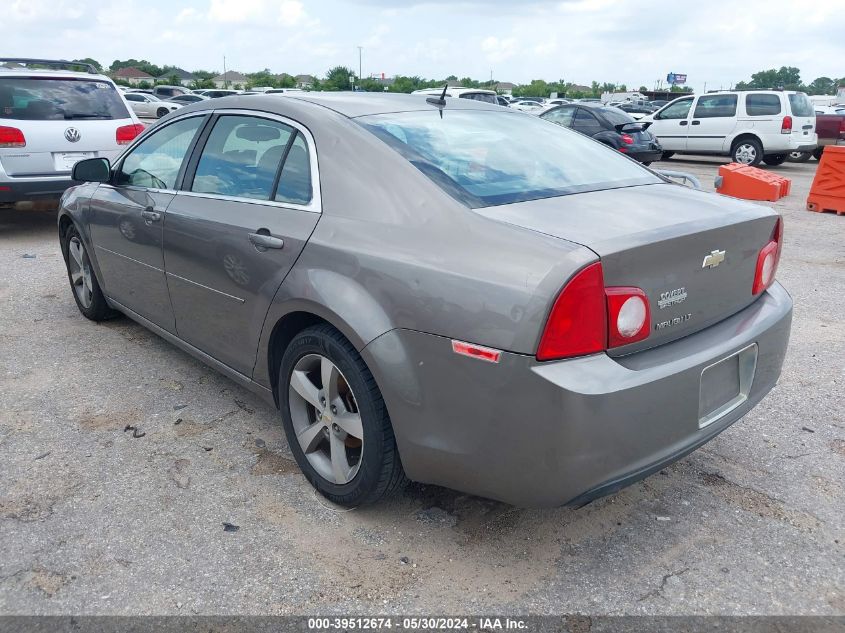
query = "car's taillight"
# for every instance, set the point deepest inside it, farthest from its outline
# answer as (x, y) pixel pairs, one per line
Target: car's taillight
(628, 316)
(786, 126)
(588, 317)
(577, 324)
(125, 134)
(842, 125)
(627, 139)
(11, 137)
(768, 260)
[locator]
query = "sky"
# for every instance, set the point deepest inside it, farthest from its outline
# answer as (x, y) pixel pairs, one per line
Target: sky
(717, 43)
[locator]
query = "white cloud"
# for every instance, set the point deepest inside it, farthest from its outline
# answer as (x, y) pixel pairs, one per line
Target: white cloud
(498, 50)
(291, 12)
(235, 11)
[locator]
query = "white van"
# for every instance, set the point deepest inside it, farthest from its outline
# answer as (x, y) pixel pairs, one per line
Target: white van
(749, 126)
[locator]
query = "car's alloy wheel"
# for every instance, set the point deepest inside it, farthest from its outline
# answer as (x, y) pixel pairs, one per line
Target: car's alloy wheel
(79, 269)
(326, 419)
(746, 154)
(335, 419)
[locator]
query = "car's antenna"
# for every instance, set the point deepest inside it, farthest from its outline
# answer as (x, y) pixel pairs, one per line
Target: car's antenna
(440, 101)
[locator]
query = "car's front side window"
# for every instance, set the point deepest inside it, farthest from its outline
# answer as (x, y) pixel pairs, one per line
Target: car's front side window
(242, 156)
(677, 110)
(156, 161)
(562, 116)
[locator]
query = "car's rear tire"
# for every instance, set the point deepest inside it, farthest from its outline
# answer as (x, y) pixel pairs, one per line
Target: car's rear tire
(83, 282)
(667, 155)
(775, 159)
(747, 151)
(323, 380)
(799, 157)
(817, 153)
(161, 112)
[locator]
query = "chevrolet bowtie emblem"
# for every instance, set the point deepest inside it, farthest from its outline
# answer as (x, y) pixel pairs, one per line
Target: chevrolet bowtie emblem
(713, 259)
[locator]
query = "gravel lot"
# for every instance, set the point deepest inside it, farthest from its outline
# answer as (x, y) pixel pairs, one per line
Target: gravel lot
(96, 521)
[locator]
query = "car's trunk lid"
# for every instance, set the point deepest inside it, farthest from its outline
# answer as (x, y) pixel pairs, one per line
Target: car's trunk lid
(694, 254)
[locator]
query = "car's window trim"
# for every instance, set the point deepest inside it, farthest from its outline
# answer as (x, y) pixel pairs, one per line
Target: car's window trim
(118, 164)
(315, 206)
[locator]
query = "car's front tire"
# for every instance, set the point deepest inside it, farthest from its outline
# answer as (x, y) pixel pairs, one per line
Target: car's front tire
(83, 282)
(335, 419)
(748, 151)
(775, 159)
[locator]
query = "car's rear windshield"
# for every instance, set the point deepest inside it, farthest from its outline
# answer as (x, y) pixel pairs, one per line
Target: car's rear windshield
(480, 96)
(485, 158)
(616, 116)
(46, 99)
(800, 105)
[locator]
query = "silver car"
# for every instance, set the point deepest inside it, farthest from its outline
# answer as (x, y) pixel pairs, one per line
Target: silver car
(437, 289)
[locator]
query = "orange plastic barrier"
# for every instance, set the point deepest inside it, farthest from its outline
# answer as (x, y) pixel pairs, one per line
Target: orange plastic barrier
(750, 183)
(828, 190)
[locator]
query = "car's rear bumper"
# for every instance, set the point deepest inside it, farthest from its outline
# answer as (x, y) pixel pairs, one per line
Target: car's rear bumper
(21, 189)
(548, 434)
(646, 155)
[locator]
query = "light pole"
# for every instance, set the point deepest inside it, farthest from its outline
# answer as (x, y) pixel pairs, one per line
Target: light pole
(360, 49)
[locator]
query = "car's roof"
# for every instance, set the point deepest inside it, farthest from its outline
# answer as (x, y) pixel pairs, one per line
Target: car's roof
(350, 104)
(5, 71)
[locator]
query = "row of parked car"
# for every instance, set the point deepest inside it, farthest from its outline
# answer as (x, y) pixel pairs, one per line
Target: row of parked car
(158, 101)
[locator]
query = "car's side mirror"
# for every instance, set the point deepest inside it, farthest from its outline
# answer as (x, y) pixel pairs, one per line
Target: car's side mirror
(92, 170)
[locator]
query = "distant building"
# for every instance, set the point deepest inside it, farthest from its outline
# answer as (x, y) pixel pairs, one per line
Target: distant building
(229, 79)
(133, 76)
(185, 78)
(505, 88)
(306, 82)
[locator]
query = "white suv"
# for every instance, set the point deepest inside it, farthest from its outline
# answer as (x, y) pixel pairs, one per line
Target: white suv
(749, 126)
(478, 94)
(49, 120)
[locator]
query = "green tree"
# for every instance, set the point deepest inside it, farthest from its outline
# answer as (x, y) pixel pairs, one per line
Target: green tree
(822, 86)
(787, 77)
(595, 88)
(142, 64)
(338, 79)
(262, 78)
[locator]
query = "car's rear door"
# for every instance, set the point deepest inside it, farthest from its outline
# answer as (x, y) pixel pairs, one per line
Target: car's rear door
(249, 203)
(670, 125)
(127, 216)
(586, 122)
(713, 122)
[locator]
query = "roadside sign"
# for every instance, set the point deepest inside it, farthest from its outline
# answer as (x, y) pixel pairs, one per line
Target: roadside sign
(676, 78)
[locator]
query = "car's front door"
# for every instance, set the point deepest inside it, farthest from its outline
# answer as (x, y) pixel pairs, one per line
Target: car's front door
(713, 122)
(586, 122)
(127, 216)
(671, 125)
(249, 203)
(564, 115)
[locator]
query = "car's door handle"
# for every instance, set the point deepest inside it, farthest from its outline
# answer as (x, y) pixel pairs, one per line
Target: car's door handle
(263, 240)
(696, 122)
(150, 216)
(683, 122)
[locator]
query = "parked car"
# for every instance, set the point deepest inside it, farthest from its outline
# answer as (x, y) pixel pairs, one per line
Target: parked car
(830, 128)
(456, 293)
(150, 106)
(637, 110)
(610, 126)
(502, 101)
(167, 92)
(476, 94)
(217, 93)
(749, 126)
(658, 103)
(51, 118)
(528, 105)
(277, 91)
(190, 98)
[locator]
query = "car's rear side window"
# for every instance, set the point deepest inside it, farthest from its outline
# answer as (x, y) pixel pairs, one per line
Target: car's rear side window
(241, 157)
(762, 104)
(485, 158)
(800, 105)
(713, 106)
(47, 99)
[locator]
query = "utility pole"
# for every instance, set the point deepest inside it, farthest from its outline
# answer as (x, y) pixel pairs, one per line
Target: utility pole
(360, 67)
(225, 78)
